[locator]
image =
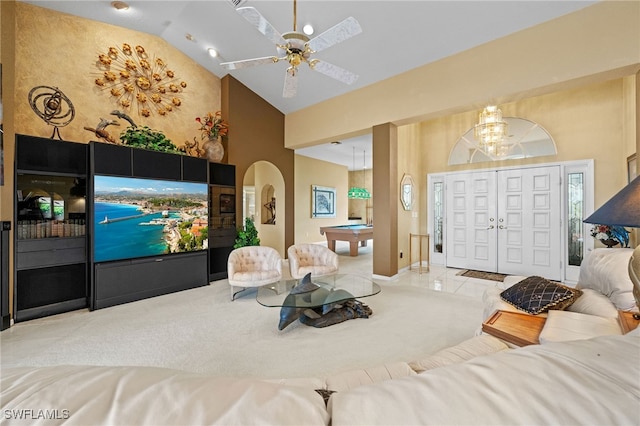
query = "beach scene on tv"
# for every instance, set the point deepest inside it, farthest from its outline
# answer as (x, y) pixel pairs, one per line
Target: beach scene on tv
(136, 217)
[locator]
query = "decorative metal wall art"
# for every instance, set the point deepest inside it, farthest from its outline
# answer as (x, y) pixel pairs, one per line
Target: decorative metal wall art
(137, 81)
(50, 104)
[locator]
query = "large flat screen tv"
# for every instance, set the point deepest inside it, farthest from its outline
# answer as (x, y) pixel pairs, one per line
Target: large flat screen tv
(135, 217)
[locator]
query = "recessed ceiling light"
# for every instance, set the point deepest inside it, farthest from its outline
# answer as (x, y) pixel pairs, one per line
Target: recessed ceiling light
(307, 29)
(189, 37)
(212, 52)
(119, 5)
(336, 143)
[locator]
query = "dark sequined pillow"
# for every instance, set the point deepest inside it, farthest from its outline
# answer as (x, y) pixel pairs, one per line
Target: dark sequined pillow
(536, 295)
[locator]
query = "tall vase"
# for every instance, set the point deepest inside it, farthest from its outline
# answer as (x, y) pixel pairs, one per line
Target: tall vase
(213, 150)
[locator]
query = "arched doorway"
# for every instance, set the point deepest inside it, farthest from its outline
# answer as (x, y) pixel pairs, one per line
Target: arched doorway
(263, 199)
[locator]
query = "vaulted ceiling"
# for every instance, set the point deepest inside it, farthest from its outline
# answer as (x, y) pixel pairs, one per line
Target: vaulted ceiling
(397, 36)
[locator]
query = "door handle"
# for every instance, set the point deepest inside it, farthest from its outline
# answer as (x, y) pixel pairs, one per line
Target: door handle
(491, 227)
(502, 227)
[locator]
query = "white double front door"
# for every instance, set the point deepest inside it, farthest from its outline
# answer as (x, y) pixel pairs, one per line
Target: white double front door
(506, 221)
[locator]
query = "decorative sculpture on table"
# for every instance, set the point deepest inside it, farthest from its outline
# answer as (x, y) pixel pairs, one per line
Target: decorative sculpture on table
(192, 148)
(50, 104)
(290, 314)
(334, 306)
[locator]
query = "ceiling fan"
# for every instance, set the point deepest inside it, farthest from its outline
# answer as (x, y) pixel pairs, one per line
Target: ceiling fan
(296, 48)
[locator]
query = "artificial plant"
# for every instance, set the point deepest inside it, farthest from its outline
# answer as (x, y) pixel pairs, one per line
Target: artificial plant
(247, 236)
(147, 138)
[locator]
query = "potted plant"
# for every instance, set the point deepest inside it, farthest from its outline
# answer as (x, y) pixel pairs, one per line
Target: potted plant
(247, 236)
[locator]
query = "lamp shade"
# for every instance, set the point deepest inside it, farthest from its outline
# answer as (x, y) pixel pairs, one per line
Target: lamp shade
(357, 193)
(623, 209)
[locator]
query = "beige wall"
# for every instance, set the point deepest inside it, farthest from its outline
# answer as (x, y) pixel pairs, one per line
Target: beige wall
(266, 173)
(257, 135)
(314, 172)
(585, 61)
(597, 43)
(59, 50)
(8, 73)
(411, 161)
(585, 123)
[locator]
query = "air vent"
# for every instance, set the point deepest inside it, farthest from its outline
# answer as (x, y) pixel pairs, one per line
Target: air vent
(236, 3)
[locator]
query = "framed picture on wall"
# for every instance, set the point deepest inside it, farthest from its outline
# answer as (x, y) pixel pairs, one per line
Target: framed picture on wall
(632, 168)
(323, 201)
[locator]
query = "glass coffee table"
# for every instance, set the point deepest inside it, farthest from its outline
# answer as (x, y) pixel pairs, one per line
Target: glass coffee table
(332, 298)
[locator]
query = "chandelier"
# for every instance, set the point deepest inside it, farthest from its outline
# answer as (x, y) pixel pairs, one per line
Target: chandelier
(356, 192)
(491, 131)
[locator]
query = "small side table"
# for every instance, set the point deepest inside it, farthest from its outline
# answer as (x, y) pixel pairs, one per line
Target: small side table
(420, 238)
(627, 321)
(514, 327)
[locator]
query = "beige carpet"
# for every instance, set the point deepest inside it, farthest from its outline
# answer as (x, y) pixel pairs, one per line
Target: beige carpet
(201, 330)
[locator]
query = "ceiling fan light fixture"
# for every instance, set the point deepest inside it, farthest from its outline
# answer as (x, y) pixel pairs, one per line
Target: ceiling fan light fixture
(296, 47)
(308, 29)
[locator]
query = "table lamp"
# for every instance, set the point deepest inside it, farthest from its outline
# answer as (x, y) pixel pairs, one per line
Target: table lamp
(623, 209)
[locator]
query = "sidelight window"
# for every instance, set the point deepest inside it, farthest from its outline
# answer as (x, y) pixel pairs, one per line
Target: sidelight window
(575, 213)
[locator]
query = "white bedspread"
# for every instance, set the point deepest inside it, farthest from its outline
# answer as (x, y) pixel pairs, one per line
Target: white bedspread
(589, 382)
(150, 396)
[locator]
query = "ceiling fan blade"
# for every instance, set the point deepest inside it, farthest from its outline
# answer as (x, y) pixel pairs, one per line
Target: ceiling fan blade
(256, 19)
(290, 84)
(334, 71)
(336, 34)
(246, 63)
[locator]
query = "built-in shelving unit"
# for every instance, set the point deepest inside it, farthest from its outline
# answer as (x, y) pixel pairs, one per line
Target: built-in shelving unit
(222, 217)
(50, 232)
(59, 262)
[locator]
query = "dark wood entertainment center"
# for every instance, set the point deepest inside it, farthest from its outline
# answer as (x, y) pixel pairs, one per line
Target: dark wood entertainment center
(55, 270)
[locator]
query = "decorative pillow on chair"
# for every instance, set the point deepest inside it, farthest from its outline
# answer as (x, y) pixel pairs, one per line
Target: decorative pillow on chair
(536, 295)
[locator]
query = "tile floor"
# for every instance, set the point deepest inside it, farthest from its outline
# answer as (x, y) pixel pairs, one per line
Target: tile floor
(438, 278)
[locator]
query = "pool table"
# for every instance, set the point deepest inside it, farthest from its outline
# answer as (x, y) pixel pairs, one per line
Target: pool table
(351, 233)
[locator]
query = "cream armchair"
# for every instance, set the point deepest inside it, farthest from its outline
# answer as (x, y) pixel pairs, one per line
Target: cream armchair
(253, 266)
(311, 258)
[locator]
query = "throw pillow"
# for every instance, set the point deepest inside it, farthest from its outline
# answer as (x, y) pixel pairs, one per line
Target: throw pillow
(563, 326)
(536, 295)
(594, 303)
